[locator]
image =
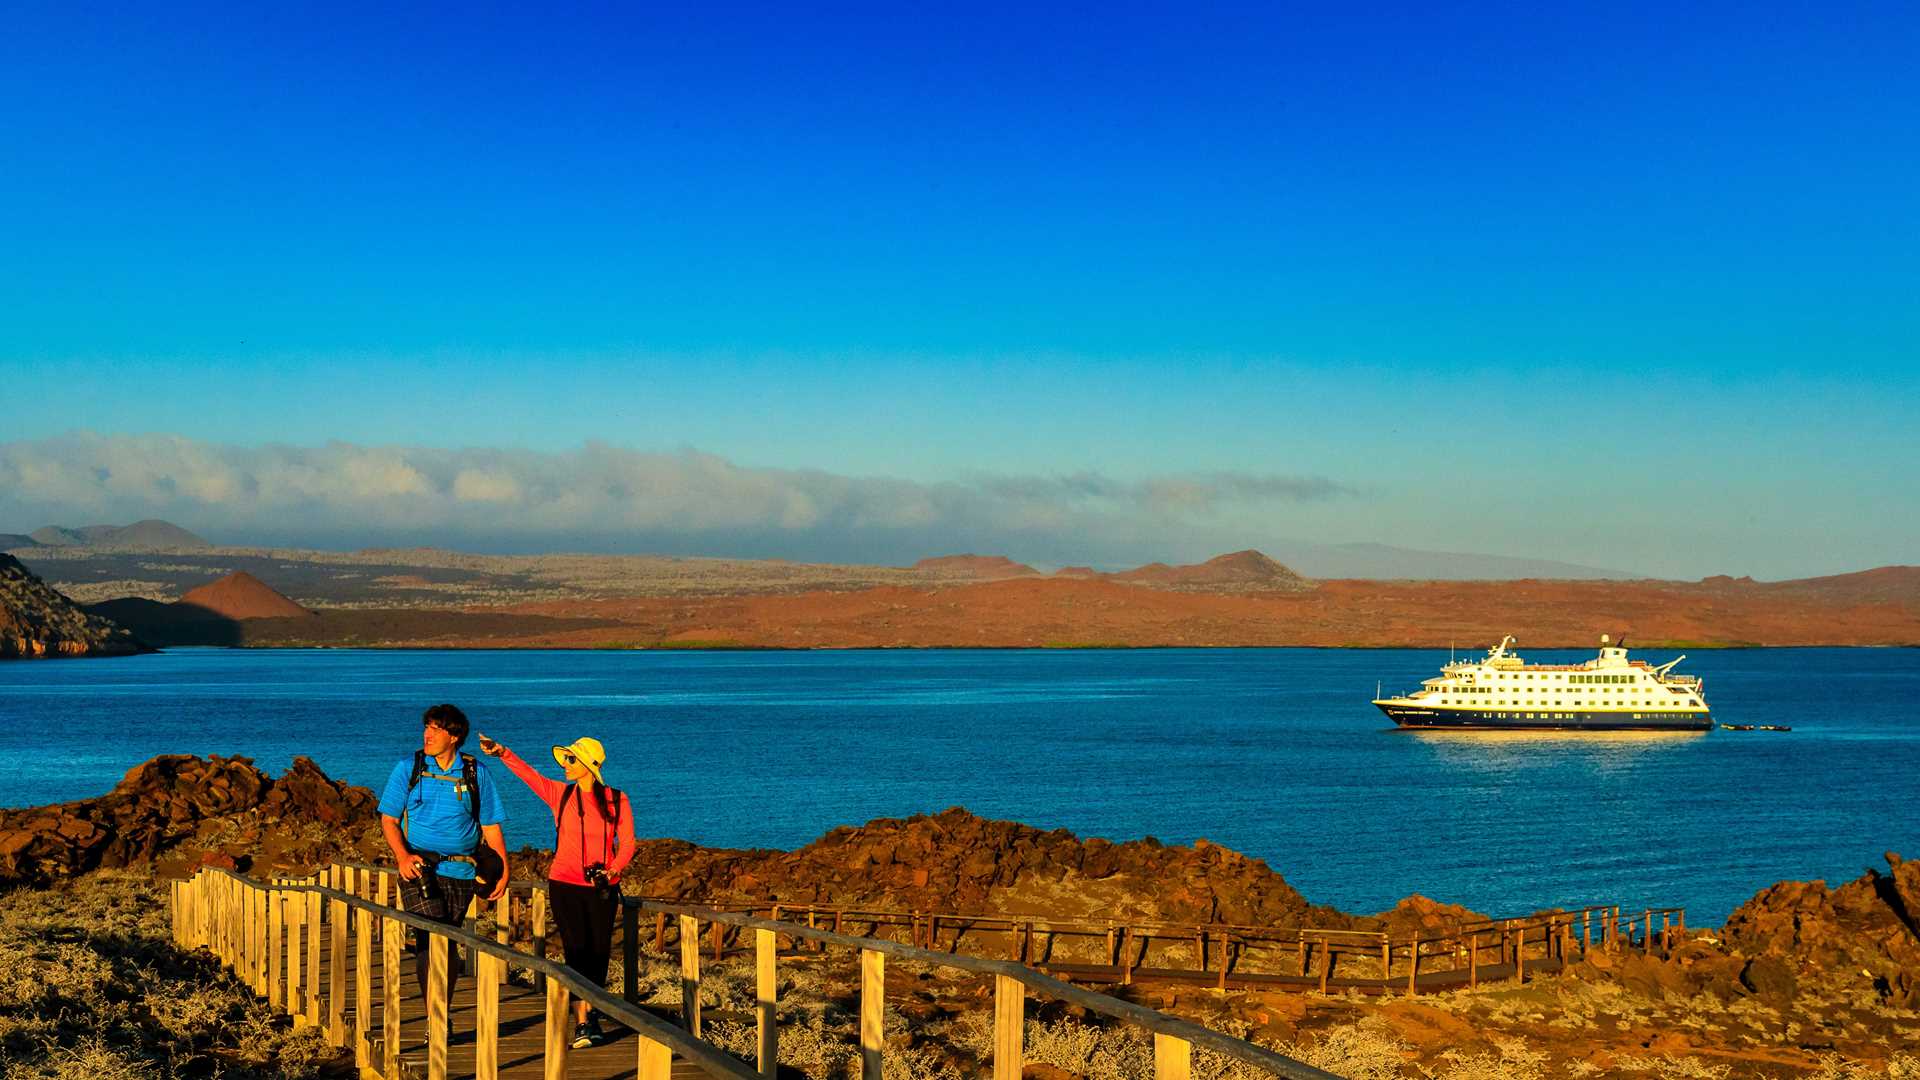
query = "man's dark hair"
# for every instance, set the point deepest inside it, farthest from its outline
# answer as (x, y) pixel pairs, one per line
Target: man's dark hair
(447, 718)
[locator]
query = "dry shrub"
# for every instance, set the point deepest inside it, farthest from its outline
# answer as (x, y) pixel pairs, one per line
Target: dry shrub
(92, 986)
(1898, 1067)
(1365, 1050)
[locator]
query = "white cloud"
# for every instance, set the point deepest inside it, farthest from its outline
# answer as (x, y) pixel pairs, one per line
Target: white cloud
(606, 498)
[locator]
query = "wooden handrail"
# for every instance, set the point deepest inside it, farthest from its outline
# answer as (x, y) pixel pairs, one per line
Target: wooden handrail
(709, 1058)
(1173, 1038)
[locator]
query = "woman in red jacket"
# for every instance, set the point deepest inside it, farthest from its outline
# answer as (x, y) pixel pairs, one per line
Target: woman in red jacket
(593, 842)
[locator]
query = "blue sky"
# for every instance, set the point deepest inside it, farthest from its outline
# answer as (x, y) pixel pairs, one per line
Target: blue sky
(1625, 287)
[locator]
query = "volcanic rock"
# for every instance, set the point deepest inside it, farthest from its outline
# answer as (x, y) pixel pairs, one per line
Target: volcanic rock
(958, 862)
(1867, 925)
(37, 621)
(171, 802)
(240, 595)
(978, 567)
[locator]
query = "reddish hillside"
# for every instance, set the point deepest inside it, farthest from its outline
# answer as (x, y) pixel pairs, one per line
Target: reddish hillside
(983, 567)
(1054, 611)
(1245, 571)
(240, 595)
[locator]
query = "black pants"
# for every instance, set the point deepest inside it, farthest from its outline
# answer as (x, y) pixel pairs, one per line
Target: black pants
(447, 905)
(585, 920)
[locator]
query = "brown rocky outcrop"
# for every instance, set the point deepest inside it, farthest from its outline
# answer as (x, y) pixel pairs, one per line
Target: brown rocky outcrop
(36, 621)
(956, 861)
(174, 804)
(981, 567)
(1240, 571)
(1870, 925)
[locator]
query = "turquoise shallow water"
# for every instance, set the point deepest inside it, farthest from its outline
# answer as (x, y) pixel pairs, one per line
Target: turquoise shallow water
(1274, 752)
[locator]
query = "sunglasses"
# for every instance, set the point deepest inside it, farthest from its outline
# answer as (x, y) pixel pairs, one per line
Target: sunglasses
(567, 758)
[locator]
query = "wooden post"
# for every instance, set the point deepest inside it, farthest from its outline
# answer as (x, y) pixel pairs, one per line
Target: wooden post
(1026, 943)
(873, 1003)
(1646, 942)
(488, 970)
(246, 938)
(393, 935)
(766, 989)
(1172, 1058)
(1009, 1028)
(656, 1060)
(1326, 964)
(363, 987)
(436, 1007)
(337, 974)
(539, 945)
(1126, 956)
(313, 959)
(630, 951)
(690, 974)
(1473, 960)
(1226, 958)
(559, 1029)
(1520, 956)
(1413, 967)
(1586, 930)
(660, 931)
(719, 940)
(1386, 962)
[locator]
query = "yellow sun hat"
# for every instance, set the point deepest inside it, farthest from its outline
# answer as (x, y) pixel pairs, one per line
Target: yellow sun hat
(587, 751)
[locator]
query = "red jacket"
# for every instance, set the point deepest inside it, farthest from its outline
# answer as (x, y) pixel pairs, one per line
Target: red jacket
(581, 831)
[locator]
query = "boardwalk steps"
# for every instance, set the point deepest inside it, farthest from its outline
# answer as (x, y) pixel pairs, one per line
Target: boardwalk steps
(329, 950)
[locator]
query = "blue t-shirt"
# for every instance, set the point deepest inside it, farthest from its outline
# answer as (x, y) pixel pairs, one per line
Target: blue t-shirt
(438, 812)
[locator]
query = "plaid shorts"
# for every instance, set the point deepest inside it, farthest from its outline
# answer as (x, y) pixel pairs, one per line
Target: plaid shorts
(442, 899)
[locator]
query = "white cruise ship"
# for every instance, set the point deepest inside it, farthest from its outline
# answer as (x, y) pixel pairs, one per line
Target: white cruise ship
(1607, 693)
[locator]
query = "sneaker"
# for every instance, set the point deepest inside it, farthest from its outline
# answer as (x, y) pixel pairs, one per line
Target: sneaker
(582, 1036)
(593, 1029)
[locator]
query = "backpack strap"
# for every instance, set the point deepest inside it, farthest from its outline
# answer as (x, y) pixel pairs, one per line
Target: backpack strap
(470, 772)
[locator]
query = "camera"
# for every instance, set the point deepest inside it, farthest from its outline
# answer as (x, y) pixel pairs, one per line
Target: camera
(596, 875)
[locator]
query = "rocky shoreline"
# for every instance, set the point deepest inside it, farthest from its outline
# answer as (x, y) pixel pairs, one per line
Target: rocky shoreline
(1800, 975)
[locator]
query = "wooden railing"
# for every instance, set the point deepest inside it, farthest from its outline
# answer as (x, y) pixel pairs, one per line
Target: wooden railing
(250, 925)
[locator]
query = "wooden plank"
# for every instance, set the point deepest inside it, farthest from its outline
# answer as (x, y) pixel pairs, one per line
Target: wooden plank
(362, 987)
(337, 973)
(1172, 1058)
(559, 1033)
(690, 974)
(765, 992)
(392, 936)
(276, 923)
(295, 913)
(488, 970)
(437, 1007)
(873, 1004)
(1009, 1028)
(313, 959)
(656, 1060)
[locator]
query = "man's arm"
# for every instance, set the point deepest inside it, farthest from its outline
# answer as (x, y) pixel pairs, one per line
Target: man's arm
(407, 862)
(494, 837)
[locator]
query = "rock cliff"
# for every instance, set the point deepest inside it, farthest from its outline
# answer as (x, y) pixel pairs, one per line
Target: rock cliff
(37, 621)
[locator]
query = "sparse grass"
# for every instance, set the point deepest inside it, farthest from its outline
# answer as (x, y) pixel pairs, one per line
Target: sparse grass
(91, 987)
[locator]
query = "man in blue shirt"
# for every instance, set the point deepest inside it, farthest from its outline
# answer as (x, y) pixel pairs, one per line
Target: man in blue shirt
(434, 832)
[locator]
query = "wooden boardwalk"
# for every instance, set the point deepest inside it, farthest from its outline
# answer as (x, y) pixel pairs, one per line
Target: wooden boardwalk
(335, 954)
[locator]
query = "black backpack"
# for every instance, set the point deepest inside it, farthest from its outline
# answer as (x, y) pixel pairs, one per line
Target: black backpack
(486, 861)
(469, 774)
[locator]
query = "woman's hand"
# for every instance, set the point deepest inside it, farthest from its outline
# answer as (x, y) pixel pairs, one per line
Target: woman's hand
(491, 748)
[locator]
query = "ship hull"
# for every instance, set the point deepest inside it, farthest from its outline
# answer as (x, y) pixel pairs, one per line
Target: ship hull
(1561, 720)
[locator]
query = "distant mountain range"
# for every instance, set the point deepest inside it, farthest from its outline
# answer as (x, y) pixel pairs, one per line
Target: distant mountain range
(1321, 561)
(149, 535)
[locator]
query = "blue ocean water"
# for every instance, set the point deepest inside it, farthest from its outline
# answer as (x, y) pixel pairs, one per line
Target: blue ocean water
(1274, 752)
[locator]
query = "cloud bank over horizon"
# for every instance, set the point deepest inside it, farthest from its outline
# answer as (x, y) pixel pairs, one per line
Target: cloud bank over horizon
(603, 498)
